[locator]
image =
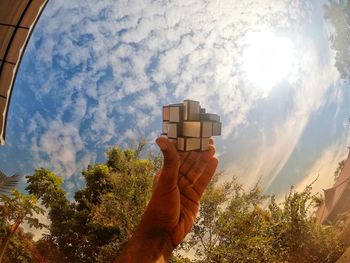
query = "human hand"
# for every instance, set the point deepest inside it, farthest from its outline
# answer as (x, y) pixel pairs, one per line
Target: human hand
(178, 188)
(171, 212)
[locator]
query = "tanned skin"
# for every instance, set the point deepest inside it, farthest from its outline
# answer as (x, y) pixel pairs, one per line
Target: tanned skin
(171, 212)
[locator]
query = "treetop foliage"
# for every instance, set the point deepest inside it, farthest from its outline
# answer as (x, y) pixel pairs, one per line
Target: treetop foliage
(233, 225)
(236, 226)
(338, 13)
(103, 215)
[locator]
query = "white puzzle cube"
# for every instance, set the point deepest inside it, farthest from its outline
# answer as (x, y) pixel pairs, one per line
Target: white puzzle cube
(188, 125)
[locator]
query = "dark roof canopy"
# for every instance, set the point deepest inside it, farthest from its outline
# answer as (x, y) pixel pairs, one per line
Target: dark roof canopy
(17, 19)
(337, 198)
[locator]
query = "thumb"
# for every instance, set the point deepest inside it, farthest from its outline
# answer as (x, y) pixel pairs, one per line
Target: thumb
(171, 165)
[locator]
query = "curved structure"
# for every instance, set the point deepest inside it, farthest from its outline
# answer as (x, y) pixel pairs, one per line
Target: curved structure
(336, 199)
(17, 20)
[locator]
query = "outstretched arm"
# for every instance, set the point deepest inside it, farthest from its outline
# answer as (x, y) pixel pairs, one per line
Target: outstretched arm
(172, 210)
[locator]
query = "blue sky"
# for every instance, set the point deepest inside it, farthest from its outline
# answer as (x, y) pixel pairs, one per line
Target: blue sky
(96, 73)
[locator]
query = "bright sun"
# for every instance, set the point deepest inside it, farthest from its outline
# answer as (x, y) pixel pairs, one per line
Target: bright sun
(267, 59)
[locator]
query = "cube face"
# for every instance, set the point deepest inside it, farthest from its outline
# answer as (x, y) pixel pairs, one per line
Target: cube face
(192, 144)
(209, 117)
(174, 130)
(204, 144)
(188, 144)
(166, 113)
(216, 129)
(175, 113)
(192, 129)
(191, 110)
(165, 127)
(181, 144)
(207, 127)
(197, 129)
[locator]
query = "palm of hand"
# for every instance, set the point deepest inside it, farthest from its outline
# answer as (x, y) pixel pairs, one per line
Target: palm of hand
(177, 190)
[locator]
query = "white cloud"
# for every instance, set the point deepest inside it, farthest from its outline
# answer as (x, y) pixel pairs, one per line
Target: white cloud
(110, 65)
(314, 80)
(280, 139)
(58, 148)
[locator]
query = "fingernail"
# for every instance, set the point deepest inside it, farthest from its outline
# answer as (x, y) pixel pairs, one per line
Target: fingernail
(162, 145)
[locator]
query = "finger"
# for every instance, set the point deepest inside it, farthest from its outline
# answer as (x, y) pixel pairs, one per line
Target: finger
(188, 162)
(169, 175)
(206, 177)
(189, 206)
(184, 183)
(155, 180)
(188, 158)
(200, 165)
(193, 156)
(189, 197)
(183, 156)
(196, 170)
(210, 152)
(173, 142)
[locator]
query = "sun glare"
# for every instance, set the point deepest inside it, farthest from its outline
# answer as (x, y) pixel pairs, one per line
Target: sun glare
(267, 59)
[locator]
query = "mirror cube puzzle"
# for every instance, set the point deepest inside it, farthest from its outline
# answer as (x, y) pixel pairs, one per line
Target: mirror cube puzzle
(189, 125)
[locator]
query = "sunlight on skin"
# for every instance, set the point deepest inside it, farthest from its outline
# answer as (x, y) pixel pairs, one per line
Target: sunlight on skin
(267, 59)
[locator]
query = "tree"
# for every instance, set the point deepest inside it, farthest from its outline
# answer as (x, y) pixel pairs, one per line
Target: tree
(46, 186)
(22, 248)
(297, 235)
(236, 226)
(338, 13)
(203, 237)
(15, 210)
(104, 213)
(50, 250)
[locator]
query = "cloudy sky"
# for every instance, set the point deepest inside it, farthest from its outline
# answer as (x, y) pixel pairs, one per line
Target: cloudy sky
(96, 73)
